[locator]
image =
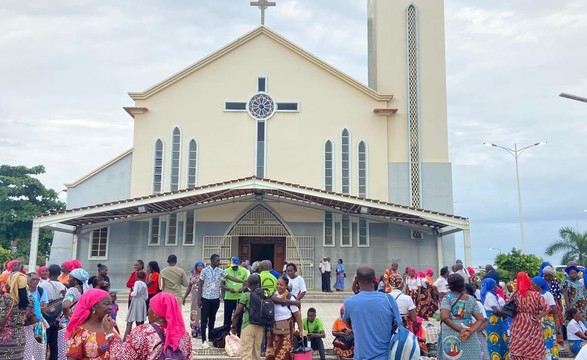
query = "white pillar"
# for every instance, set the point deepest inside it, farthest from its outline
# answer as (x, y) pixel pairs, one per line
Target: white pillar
(34, 249)
(467, 243)
(74, 245)
(440, 252)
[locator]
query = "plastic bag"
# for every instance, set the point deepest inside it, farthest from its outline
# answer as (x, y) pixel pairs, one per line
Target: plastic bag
(233, 345)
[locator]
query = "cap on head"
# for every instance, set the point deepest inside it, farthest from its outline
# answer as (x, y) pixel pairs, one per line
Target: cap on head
(235, 261)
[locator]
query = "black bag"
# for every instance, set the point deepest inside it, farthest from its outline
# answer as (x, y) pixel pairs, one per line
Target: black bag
(217, 336)
(261, 309)
(53, 310)
(168, 353)
(344, 342)
(510, 309)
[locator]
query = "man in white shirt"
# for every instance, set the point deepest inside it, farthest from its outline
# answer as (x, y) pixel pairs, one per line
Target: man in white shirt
(462, 271)
(325, 269)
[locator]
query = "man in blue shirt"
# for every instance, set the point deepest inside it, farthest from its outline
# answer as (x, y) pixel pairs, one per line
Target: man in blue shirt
(371, 317)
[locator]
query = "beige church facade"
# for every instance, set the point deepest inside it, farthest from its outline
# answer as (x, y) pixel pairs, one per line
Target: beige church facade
(262, 150)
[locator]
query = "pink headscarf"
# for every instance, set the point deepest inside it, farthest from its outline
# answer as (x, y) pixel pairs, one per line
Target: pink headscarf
(410, 269)
(41, 268)
(69, 265)
(76, 264)
(10, 264)
(166, 306)
(421, 274)
(471, 271)
(430, 272)
(83, 308)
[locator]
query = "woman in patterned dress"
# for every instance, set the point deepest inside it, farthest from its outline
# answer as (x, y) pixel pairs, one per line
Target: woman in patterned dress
(428, 299)
(144, 342)
(548, 321)
(194, 290)
(412, 285)
(497, 339)
(526, 336)
(555, 290)
(16, 312)
(574, 290)
(78, 284)
(340, 329)
(87, 337)
(456, 312)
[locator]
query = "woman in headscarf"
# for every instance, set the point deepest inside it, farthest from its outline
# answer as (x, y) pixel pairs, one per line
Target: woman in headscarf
(86, 335)
(194, 290)
(526, 337)
(144, 342)
(574, 290)
(43, 273)
(428, 299)
(497, 337)
(473, 279)
(405, 304)
(550, 320)
(66, 268)
(16, 312)
(555, 290)
(78, 284)
(412, 284)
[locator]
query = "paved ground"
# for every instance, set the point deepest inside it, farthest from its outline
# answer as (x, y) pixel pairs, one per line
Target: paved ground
(327, 312)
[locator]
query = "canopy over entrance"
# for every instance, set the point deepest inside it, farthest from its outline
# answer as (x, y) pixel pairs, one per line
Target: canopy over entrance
(103, 215)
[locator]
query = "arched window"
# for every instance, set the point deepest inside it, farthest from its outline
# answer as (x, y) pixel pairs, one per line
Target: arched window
(362, 160)
(175, 154)
(328, 166)
(192, 163)
(345, 161)
(158, 167)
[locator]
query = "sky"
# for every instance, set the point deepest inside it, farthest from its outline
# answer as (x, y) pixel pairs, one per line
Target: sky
(66, 67)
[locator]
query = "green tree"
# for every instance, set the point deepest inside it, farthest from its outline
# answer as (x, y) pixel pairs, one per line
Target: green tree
(573, 245)
(510, 264)
(22, 197)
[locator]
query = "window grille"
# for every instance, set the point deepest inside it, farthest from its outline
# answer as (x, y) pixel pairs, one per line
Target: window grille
(345, 161)
(413, 105)
(362, 160)
(192, 163)
(328, 229)
(158, 167)
(328, 166)
(175, 153)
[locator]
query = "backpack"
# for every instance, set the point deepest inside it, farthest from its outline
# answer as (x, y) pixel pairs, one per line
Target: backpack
(168, 353)
(261, 309)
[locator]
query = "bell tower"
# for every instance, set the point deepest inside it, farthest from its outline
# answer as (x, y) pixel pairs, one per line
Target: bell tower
(406, 59)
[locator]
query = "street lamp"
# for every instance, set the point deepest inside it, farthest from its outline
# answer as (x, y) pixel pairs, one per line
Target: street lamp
(516, 153)
(496, 249)
(573, 97)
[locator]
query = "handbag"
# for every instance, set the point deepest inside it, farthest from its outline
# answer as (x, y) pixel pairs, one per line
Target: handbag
(53, 310)
(510, 309)
(281, 327)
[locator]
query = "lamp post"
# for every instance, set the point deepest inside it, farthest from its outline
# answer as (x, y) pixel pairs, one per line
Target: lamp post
(573, 97)
(496, 249)
(516, 153)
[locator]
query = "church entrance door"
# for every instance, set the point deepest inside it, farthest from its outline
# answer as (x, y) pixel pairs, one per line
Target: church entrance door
(257, 248)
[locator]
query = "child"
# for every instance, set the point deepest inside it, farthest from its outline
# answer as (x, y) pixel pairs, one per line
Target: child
(98, 282)
(114, 311)
(315, 330)
(137, 312)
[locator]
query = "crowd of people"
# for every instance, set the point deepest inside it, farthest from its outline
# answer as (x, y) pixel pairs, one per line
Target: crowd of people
(61, 312)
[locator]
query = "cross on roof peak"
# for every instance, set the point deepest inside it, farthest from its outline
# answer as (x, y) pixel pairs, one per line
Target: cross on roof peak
(262, 4)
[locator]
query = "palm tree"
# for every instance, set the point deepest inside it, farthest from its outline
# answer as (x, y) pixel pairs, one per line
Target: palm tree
(572, 243)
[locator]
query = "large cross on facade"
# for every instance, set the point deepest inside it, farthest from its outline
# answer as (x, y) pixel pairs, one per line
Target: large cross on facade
(262, 4)
(261, 107)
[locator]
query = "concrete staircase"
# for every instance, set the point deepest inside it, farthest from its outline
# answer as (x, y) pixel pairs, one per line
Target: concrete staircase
(317, 296)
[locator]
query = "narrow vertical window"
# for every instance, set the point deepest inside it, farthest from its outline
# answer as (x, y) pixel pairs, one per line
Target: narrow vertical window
(345, 161)
(328, 229)
(172, 232)
(192, 163)
(363, 232)
(99, 244)
(362, 160)
(190, 224)
(175, 153)
(158, 167)
(154, 232)
(163, 229)
(346, 231)
(413, 105)
(328, 166)
(260, 148)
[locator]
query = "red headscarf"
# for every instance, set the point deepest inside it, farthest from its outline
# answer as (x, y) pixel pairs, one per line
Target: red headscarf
(10, 264)
(83, 308)
(69, 265)
(410, 269)
(41, 268)
(471, 271)
(166, 306)
(524, 283)
(76, 264)
(430, 271)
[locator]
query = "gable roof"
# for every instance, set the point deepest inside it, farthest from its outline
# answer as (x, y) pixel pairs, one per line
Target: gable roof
(102, 215)
(99, 169)
(262, 30)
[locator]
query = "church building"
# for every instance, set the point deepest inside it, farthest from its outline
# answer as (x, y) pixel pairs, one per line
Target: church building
(261, 150)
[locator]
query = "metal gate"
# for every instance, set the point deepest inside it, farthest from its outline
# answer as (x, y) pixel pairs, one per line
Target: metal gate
(300, 250)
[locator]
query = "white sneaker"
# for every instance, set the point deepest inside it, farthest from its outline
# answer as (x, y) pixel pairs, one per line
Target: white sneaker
(205, 345)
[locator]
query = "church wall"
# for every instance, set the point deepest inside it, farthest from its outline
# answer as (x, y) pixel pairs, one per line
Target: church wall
(226, 140)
